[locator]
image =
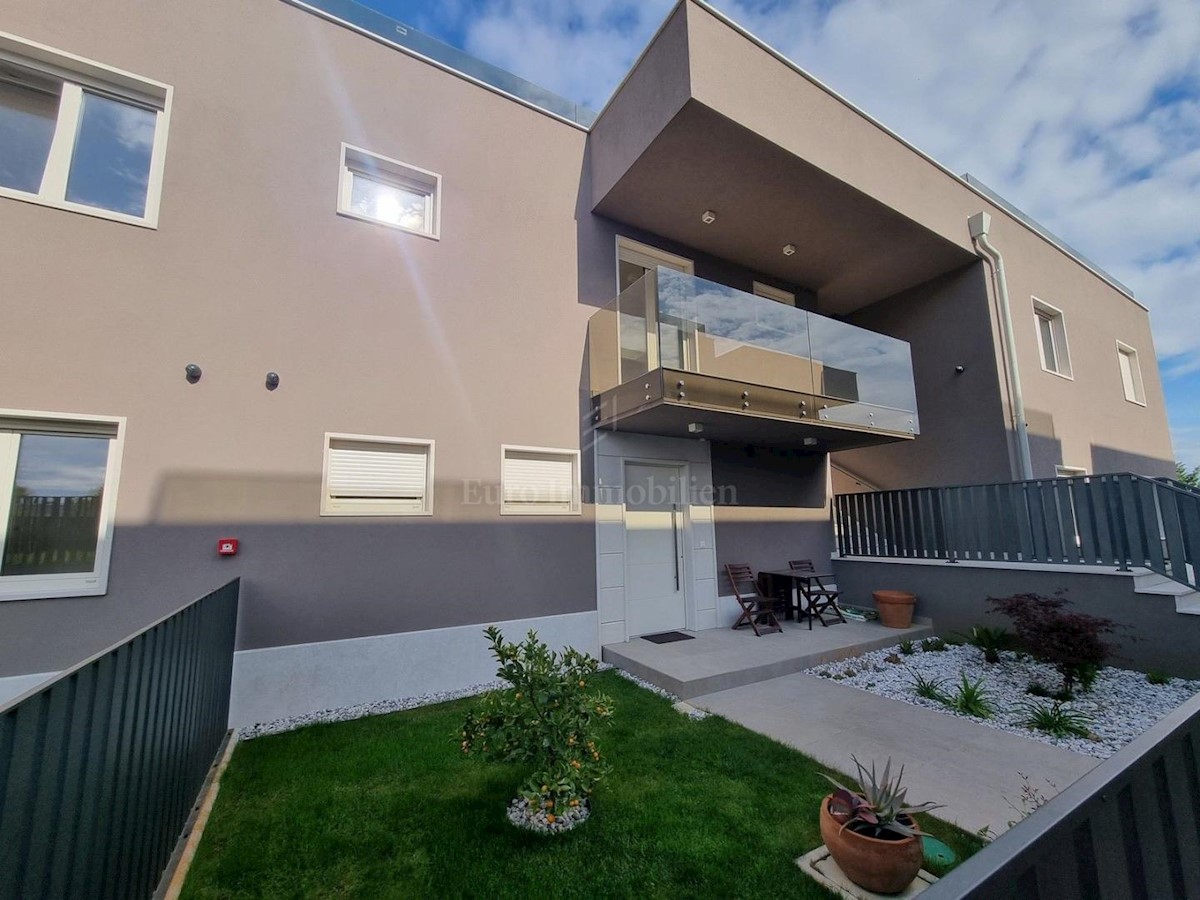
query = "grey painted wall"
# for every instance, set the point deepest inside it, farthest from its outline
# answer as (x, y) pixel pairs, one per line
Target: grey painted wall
(962, 439)
(955, 597)
(771, 506)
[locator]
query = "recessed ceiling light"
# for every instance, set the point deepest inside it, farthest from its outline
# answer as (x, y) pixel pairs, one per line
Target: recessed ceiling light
(789, 249)
(708, 217)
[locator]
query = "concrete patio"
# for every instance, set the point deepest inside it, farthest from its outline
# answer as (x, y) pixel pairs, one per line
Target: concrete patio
(973, 770)
(720, 658)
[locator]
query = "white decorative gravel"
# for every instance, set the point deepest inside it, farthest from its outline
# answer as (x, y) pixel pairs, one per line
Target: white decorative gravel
(383, 707)
(1121, 704)
(378, 708)
(539, 820)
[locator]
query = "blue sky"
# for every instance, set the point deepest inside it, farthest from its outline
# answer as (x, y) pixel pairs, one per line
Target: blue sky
(1085, 114)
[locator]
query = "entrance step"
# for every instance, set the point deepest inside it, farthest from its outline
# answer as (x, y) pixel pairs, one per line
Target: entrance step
(721, 658)
(1187, 601)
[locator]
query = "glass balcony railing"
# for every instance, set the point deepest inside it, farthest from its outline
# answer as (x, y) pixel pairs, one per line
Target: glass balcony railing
(671, 320)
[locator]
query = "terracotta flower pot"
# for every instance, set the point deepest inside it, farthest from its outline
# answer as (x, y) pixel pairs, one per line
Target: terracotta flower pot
(882, 866)
(895, 608)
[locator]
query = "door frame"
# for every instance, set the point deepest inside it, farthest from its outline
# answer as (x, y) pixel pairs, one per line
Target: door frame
(686, 576)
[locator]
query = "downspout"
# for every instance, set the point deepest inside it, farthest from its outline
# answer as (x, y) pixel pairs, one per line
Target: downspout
(978, 225)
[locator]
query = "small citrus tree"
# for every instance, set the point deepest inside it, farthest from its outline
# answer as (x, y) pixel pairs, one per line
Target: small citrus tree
(546, 719)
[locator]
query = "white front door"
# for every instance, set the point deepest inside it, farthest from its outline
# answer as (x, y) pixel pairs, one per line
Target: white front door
(655, 585)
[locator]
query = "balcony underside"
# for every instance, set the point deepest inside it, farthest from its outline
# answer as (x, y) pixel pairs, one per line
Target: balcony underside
(732, 411)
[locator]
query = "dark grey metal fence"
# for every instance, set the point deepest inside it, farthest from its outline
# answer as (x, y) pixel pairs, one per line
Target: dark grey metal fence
(1118, 520)
(100, 767)
(1127, 830)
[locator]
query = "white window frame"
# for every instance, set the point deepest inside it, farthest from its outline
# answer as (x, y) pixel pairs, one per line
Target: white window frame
(398, 173)
(525, 509)
(769, 292)
(65, 584)
(1058, 332)
(76, 74)
(1135, 373)
(1069, 471)
(365, 506)
(648, 257)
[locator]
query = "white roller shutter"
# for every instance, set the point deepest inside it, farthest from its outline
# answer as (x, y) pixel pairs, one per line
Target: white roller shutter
(539, 481)
(380, 476)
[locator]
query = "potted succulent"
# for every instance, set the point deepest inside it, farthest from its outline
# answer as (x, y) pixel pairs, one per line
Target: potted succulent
(871, 833)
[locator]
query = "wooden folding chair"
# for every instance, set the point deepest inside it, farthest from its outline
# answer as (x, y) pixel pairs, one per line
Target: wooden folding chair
(820, 598)
(758, 610)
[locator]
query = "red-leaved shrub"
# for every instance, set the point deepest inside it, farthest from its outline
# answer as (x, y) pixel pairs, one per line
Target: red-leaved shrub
(1072, 642)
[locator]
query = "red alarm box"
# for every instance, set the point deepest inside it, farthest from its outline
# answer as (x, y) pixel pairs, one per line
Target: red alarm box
(227, 547)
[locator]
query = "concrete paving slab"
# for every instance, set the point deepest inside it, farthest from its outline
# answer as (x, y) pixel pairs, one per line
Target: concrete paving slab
(720, 658)
(973, 770)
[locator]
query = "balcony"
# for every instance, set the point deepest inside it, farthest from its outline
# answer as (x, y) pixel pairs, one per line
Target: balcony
(680, 356)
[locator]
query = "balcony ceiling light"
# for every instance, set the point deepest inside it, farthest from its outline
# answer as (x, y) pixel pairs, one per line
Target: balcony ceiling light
(708, 217)
(789, 249)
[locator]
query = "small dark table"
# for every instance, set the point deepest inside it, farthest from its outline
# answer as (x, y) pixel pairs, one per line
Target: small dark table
(805, 582)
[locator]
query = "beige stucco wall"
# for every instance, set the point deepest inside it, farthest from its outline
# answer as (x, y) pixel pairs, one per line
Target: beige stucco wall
(473, 341)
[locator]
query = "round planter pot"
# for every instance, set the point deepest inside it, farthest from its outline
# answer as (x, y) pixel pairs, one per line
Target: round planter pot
(895, 608)
(885, 867)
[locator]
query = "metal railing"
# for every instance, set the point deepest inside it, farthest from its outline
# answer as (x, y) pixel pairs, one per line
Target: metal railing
(100, 767)
(1127, 830)
(1118, 520)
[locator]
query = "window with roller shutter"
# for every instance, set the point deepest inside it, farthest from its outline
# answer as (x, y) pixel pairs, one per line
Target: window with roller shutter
(537, 481)
(377, 476)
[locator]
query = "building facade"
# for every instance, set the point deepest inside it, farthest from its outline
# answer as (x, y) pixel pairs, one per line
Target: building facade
(437, 349)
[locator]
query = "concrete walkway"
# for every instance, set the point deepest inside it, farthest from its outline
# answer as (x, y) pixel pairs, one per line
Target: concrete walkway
(969, 768)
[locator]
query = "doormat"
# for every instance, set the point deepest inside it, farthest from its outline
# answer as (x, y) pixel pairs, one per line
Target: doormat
(667, 637)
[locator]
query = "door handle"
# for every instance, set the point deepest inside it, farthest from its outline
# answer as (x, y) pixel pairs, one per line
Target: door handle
(675, 540)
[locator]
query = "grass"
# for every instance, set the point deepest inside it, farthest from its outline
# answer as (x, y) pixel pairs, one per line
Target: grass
(386, 807)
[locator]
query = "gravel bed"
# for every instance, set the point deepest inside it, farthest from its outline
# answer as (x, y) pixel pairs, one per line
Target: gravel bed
(383, 707)
(539, 820)
(378, 708)
(1121, 704)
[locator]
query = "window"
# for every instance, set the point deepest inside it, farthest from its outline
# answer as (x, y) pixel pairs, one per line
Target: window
(58, 488)
(377, 476)
(80, 136)
(1131, 374)
(774, 293)
(535, 481)
(387, 191)
(635, 259)
(1052, 338)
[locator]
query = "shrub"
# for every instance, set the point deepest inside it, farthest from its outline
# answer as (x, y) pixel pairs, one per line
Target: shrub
(1069, 641)
(971, 699)
(929, 688)
(908, 648)
(1057, 720)
(991, 641)
(1157, 677)
(933, 645)
(546, 719)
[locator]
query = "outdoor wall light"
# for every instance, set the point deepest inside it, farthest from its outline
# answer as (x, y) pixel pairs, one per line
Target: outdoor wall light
(789, 249)
(958, 370)
(810, 442)
(272, 380)
(192, 372)
(696, 428)
(708, 217)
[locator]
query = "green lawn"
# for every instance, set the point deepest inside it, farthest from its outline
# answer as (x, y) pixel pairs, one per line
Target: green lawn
(387, 807)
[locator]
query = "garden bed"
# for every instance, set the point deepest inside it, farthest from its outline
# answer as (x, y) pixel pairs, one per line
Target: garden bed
(1120, 705)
